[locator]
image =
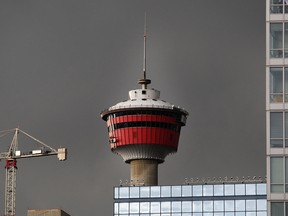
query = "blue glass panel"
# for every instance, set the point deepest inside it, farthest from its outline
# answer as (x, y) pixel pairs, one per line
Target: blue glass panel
(240, 205)
(261, 189)
(124, 192)
(116, 208)
(197, 206)
(229, 214)
(261, 205)
(155, 191)
(197, 214)
(144, 207)
(134, 207)
(229, 205)
(165, 191)
(116, 194)
(186, 206)
(239, 189)
(207, 190)
(261, 213)
(186, 190)
(165, 207)
(240, 214)
(208, 206)
(155, 207)
(123, 208)
(197, 190)
(218, 190)
(144, 192)
(218, 214)
(134, 192)
(250, 189)
(176, 206)
(250, 213)
(207, 214)
(218, 205)
(250, 205)
(176, 191)
(229, 190)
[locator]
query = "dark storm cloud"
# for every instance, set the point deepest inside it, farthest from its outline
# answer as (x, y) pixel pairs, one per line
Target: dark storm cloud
(62, 62)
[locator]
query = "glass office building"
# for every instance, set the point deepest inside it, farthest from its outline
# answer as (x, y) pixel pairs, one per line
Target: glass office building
(231, 199)
(277, 106)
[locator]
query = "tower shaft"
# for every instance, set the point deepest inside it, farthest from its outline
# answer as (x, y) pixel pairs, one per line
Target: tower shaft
(144, 172)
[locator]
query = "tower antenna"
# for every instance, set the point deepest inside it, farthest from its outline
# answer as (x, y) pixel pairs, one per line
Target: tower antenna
(144, 82)
(144, 56)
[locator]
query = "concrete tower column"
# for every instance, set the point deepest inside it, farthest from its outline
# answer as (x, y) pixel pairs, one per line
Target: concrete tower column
(144, 172)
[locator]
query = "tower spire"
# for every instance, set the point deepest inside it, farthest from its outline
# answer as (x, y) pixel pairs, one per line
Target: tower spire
(144, 56)
(144, 82)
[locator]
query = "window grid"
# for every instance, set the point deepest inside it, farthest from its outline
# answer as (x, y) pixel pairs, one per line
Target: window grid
(214, 207)
(278, 84)
(279, 174)
(278, 129)
(190, 190)
(279, 40)
(278, 7)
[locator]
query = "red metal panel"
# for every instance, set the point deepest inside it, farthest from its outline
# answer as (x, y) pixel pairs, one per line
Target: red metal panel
(130, 118)
(149, 135)
(130, 135)
(139, 135)
(145, 135)
(124, 136)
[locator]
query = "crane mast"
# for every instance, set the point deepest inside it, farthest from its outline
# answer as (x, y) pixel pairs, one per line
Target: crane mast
(10, 187)
(11, 158)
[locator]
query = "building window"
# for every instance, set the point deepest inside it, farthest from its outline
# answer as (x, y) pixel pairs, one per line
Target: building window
(278, 40)
(277, 6)
(279, 174)
(278, 88)
(278, 129)
(277, 209)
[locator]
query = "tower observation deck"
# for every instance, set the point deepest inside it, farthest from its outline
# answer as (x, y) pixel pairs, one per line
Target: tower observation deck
(143, 130)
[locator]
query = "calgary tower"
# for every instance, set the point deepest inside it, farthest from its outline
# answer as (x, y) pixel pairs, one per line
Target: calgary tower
(144, 129)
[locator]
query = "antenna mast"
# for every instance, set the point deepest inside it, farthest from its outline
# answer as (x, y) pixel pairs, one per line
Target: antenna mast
(144, 60)
(144, 82)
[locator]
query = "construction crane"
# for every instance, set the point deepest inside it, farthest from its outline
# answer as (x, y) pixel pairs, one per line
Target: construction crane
(11, 157)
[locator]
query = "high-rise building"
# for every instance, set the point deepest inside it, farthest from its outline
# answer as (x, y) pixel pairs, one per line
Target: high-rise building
(277, 106)
(144, 130)
(47, 212)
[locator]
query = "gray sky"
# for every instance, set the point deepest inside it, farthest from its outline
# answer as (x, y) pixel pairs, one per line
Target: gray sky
(63, 62)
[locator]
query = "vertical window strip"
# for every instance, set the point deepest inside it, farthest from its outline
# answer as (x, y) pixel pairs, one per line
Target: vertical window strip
(276, 40)
(276, 129)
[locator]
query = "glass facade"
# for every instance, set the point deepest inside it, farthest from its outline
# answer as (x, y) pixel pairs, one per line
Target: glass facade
(278, 40)
(278, 6)
(279, 174)
(278, 129)
(278, 84)
(279, 208)
(276, 106)
(194, 200)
